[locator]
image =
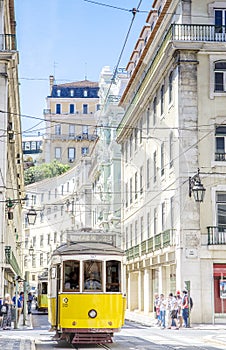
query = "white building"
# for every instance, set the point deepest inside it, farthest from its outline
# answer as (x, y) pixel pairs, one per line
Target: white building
(11, 165)
(174, 123)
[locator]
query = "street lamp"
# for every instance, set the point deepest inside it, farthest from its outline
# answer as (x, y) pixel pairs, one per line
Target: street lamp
(31, 216)
(196, 187)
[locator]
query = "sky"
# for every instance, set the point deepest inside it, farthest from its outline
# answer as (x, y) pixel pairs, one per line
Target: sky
(70, 39)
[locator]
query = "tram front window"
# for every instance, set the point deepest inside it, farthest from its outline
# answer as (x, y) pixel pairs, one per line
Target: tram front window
(113, 274)
(92, 275)
(71, 275)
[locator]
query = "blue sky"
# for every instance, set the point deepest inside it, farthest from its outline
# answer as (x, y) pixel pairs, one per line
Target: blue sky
(70, 39)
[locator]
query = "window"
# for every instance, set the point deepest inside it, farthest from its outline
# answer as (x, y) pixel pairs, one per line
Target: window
(162, 100)
(170, 86)
(142, 228)
(131, 190)
(49, 195)
(220, 20)
(98, 107)
(141, 179)
(85, 93)
(163, 216)
(85, 109)
(220, 136)
(71, 154)
(220, 76)
(162, 158)
(41, 259)
(41, 241)
(85, 129)
(155, 221)
(58, 152)
(135, 185)
(131, 145)
(126, 195)
(58, 108)
(136, 232)
(71, 93)
(171, 150)
(154, 110)
(58, 129)
(172, 212)
(148, 173)
(131, 234)
(71, 275)
(58, 93)
(42, 197)
(84, 151)
(148, 120)
(154, 166)
(126, 151)
(92, 275)
(62, 189)
(72, 108)
(148, 225)
(113, 276)
(71, 130)
(48, 239)
(221, 210)
(135, 139)
(55, 237)
(141, 131)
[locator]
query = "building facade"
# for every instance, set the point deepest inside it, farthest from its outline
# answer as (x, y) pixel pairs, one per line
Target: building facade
(70, 121)
(105, 171)
(11, 162)
(174, 124)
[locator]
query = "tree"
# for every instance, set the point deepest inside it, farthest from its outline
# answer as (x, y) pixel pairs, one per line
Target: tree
(44, 171)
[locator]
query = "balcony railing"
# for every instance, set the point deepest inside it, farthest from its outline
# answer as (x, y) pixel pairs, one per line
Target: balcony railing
(221, 157)
(159, 241)
(198, 32)
(7, 42)
(216, 235)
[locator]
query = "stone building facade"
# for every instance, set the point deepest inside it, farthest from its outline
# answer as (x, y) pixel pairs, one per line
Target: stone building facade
(174, 124)
(11, 163)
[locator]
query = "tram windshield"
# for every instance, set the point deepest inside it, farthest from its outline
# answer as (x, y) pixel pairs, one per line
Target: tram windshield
(113, 275)
(92, 275)
(71, 275)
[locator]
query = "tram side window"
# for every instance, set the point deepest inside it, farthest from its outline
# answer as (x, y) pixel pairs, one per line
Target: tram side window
(71, 275)
(93, 275)
(113, 276)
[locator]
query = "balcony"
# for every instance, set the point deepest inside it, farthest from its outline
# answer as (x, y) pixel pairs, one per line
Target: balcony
(198, 32)
(216, 235)
(220, 157)
(7, 42)
(159, 241)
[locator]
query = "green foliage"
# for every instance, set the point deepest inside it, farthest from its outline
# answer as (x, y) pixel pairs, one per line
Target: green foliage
(44, 171)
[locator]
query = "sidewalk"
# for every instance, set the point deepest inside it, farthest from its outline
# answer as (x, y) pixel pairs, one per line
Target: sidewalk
(17, 339)
(149, 321)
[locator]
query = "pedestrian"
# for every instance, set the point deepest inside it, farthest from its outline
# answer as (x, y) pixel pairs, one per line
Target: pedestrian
(162, 308)
(179, 312)
(185, 308)
(157, 309)
(29, 302)
(7, 312)
(19, 305)
(173, 310)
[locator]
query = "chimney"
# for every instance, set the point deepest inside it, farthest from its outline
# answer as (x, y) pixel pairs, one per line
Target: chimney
(51, 83)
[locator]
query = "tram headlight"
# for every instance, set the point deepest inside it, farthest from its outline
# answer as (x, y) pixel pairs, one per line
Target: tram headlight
(92, 313)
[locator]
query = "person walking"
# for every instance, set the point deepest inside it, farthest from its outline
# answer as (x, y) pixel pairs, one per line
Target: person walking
(179, 312)
(162, 308)
(7, 314)
(185, 308)
(29, 302)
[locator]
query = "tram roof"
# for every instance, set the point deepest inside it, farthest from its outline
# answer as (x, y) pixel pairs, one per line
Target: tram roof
(76, 248)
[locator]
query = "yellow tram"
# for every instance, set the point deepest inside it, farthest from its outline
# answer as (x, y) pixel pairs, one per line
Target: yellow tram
(86, 292)
(42, 292)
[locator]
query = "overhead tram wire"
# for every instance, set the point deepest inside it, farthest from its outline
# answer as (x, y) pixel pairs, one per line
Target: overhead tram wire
(114, 7)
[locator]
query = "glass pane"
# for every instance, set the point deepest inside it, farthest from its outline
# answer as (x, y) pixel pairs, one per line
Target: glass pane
(93, 275)
(221, 214)
(113, 276)
(220, 65)
(219, 81)
(220, 144)
(218, 21)
(71, 275)
(221, 197)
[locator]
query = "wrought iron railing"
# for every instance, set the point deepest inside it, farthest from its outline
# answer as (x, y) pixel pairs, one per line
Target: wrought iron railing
(221, 157)
(216, 235)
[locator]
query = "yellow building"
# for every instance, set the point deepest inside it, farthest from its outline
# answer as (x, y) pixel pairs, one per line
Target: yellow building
(70, 121)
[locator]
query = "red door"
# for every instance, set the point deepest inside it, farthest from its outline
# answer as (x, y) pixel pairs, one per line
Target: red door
(219, 273)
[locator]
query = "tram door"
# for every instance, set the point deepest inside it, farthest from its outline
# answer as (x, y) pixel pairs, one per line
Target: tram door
(58, 277)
